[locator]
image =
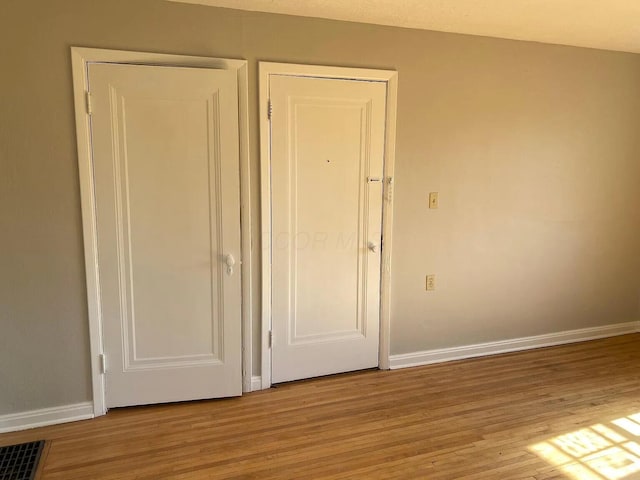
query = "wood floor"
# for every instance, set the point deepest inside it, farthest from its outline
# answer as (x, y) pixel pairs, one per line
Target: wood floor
(482, 418)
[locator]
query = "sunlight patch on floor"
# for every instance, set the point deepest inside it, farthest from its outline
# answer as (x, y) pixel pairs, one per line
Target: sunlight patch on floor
(599, 452)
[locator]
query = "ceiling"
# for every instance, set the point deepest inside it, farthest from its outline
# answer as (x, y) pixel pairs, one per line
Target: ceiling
(604, 24)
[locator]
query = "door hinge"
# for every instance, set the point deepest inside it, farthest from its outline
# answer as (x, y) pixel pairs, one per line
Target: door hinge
(269, 109)
(88, 103)
(270, 338)
(103, 363)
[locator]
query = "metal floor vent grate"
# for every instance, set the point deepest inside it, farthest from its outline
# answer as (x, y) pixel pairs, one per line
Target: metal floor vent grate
(20, 462)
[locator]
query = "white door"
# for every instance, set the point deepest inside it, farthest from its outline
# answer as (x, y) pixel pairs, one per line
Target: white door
(166, 174)
(327, 149)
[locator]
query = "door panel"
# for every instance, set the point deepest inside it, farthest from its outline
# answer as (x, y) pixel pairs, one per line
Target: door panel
(165, 151)
(327, 139)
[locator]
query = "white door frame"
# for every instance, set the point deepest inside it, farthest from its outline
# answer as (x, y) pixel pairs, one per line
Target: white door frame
(80, 60)
(391, 79)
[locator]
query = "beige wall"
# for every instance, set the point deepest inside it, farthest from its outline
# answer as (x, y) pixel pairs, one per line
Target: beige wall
(534, 150)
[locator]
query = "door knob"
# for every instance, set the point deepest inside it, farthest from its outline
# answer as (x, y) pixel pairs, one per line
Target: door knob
(373, 247)
(229, 261)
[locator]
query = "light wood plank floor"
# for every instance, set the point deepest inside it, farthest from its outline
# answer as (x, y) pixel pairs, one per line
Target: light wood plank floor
(461, 420)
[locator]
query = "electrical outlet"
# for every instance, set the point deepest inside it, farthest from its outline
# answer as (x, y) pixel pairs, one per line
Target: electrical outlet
(431, 282)
(433, 200)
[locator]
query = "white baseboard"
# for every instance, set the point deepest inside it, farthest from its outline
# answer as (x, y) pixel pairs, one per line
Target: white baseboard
(46, 416)
(256, 383)
(504, 346)
(83, 411)
(67, 413)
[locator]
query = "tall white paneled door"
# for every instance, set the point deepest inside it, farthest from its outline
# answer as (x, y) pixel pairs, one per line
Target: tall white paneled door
(166, 183)
(327, 187)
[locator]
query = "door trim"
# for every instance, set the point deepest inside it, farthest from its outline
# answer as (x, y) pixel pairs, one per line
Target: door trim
(389, 77)
(80, 60)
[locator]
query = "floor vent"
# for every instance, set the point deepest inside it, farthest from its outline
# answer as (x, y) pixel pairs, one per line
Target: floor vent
(20, 462)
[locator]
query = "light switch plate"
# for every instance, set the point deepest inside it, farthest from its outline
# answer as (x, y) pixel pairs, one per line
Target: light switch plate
(433, 200)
